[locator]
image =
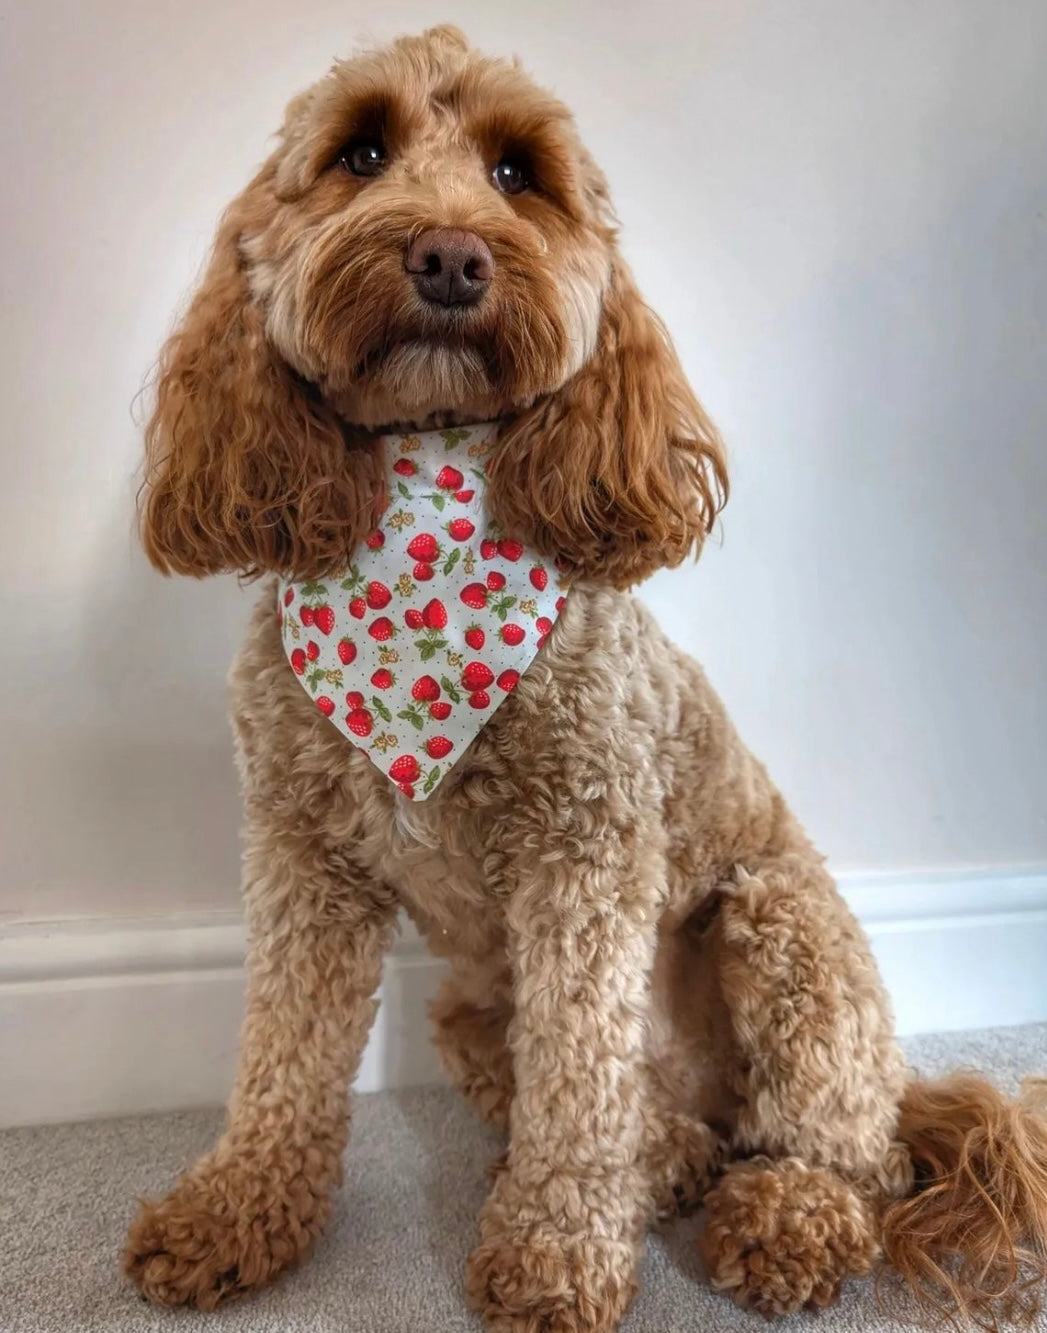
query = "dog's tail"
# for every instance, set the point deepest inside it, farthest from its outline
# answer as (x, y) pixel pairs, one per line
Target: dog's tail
(971, 1240)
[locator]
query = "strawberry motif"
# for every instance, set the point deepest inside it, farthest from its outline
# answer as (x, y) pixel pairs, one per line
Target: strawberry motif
(474, 595)
(477, 676)
(381, 629)
(424, 547)
(560, 602)
(404, 592)
(405, 768)
(460, 529)
(323, 619)
(425, 689)
(360, 722)
(434, 614)
(449, 479)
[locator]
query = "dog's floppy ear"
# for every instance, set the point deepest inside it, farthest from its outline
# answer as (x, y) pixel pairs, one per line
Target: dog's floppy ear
(246, 469)
(620, 472)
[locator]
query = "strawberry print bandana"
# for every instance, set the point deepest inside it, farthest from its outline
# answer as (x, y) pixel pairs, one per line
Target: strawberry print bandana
(412, 651)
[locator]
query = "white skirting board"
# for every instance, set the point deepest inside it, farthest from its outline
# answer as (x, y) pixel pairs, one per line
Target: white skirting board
(110, 1017)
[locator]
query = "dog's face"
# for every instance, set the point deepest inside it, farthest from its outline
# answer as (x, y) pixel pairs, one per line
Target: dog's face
(429, 239)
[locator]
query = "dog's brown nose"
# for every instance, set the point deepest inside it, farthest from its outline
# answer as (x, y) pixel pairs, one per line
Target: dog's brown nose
(450, 267)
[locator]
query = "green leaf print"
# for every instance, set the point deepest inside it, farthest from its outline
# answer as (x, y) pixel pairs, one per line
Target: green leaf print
(455, 436)
(450, 690)
(403, 490)
(381, 709)
(413, 718)
(313, 590)
(431, 779)
(452, 559)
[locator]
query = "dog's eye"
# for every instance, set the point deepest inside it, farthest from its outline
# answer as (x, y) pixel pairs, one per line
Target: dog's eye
(511, 176)
(364, 159)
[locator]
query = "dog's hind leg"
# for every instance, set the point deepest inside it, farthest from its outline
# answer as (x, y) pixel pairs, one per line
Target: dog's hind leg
(819, 1080)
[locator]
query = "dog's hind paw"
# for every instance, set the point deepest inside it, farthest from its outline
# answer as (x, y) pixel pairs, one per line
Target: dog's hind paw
(780, 1236)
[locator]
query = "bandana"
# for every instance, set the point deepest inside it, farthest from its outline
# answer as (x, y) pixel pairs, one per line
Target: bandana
(412, 651)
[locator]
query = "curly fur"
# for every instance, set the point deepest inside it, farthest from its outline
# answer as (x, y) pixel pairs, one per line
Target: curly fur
(653, 981)
(973, 1237)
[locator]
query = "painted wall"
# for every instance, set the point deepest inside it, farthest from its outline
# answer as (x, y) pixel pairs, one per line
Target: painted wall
(839, 208)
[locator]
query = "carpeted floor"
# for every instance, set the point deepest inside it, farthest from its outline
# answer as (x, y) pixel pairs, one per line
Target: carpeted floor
(393, 1258)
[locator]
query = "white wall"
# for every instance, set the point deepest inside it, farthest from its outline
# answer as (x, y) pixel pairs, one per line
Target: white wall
(840, 209)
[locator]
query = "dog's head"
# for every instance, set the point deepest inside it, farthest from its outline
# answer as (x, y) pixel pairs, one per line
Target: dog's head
(428, 240)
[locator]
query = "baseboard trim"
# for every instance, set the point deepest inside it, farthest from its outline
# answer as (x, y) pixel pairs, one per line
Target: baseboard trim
(121, 1016)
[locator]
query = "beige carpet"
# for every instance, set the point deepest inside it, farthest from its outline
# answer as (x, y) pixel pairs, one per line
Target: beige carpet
(393, 1257)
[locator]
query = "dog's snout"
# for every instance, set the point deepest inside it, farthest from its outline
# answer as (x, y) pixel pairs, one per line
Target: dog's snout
(450, 267)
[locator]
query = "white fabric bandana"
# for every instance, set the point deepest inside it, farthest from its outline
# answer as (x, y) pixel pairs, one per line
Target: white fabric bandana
(436, 619)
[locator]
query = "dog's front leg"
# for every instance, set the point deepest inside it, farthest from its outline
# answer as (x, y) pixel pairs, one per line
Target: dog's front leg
(561, 1231)
(252, 1206)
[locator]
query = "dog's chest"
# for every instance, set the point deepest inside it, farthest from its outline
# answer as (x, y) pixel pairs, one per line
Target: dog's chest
(447, 899)
(436, 871)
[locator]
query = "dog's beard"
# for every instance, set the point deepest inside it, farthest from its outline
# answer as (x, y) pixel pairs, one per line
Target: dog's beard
(413, 369)
(426, 371)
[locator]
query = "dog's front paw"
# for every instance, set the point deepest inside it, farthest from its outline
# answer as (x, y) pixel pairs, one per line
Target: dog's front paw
(551, 1284)
(224, 1230)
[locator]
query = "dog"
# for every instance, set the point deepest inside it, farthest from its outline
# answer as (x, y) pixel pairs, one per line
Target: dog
(653, 984)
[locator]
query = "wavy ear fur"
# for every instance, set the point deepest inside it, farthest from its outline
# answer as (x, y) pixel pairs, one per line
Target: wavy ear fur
(620, 472)
(246, 469)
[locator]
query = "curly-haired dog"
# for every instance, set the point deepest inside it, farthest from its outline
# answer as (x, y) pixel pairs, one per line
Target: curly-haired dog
(653, 981)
